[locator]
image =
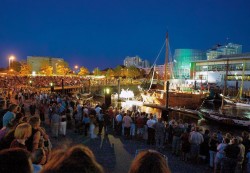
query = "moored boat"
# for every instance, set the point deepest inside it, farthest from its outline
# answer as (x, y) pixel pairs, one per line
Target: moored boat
(185, 97)
(190, 100)
(224, 119)
(237, 103)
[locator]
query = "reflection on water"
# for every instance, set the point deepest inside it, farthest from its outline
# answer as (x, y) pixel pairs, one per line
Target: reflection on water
(228, 110)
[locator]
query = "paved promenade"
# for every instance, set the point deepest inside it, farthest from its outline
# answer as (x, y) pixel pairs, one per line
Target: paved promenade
(115, 154)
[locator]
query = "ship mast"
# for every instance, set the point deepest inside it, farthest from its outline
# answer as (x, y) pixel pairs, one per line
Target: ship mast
(166, 63)
(225, 85)
(166, 82)
(242, 78)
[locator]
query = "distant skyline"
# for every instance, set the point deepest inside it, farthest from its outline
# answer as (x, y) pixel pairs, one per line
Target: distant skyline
(101, 33)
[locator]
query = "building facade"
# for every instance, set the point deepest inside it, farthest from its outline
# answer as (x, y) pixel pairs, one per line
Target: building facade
(236, 66)
(36, 62)
(229, 49)
(159, 71)
(182, 62)
(136, 61)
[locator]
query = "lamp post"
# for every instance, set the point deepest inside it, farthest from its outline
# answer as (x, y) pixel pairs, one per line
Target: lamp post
(107, 97)
(76, 67)
(51, 87)
(11, 58)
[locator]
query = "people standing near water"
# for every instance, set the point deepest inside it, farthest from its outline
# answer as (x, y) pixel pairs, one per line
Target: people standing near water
(92, 127)
(151, 131)
(159, 127)
(127, 124)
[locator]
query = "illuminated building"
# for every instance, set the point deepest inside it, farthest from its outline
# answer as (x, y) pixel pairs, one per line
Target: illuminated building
(228, 49)
(213, 71)
(36, 62)
(182, 62)
(136, 61)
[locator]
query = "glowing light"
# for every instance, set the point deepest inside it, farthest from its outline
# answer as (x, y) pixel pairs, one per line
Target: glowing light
(127, 94)
(11, 57)
(107, 90)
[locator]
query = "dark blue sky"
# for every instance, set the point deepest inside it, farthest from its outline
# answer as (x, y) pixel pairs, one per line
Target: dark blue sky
(101, 33)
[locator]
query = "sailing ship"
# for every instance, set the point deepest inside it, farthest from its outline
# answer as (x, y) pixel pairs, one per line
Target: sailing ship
(238, 100)
(191, 99)
(221, 116)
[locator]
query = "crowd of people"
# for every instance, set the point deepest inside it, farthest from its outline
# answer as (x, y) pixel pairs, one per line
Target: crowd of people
(40, 81)
(22, 135)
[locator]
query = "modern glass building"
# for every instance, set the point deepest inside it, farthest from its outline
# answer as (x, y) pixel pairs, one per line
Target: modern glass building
(213, 71)
(228, 49)
(182, 62)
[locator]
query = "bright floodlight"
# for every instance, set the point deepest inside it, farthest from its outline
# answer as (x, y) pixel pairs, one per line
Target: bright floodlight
(11, 57)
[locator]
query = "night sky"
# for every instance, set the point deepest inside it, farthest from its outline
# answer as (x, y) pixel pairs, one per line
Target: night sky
(101, 33)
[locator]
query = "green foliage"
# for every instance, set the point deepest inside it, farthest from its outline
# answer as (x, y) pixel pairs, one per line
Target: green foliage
(46, 70)
(133, 72)
(25, 69)
(110, 73)
(16, 66)
(119, 71)
(97, 72)
(62, 70)
(83, 71)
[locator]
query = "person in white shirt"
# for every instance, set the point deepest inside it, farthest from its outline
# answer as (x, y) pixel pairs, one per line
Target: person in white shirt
(97, 109)
(195, 140)
(118, 119)
(151, 131)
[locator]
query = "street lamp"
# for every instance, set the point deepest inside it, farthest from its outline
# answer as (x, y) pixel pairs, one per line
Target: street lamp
(51, 87)
(11, 58)
(76, 67)
(107, 97)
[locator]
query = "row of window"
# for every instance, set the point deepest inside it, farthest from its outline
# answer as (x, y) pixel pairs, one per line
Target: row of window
(223, 67)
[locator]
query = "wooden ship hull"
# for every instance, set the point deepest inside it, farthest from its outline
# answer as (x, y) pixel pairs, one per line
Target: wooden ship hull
(187, 100)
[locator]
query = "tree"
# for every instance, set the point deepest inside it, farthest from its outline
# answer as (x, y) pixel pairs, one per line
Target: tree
(83, 71)
(119, 71)
(97, 71)
(142, 73)
(133, 72)
(109, 73)
(25, 69)
(46, 70)
(16, 66)
(62, 70)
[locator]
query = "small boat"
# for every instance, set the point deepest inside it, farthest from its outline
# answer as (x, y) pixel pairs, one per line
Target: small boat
(224, 119)
(242, 104)
(237, 103)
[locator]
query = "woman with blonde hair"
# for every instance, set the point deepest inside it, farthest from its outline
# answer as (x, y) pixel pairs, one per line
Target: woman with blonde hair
(149, 161)
(22, 133)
